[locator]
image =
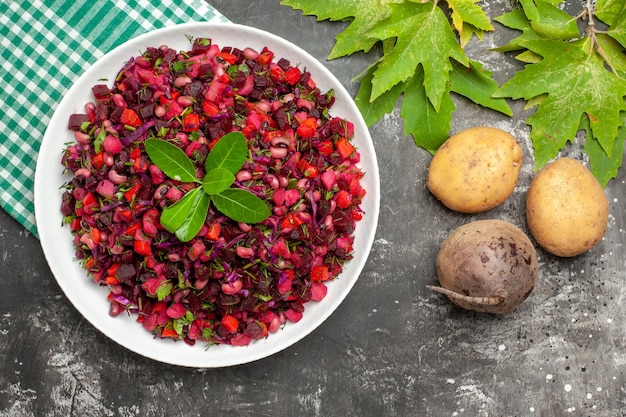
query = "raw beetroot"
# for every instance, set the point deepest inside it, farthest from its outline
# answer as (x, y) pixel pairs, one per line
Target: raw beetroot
(233, 283)
(487, 266)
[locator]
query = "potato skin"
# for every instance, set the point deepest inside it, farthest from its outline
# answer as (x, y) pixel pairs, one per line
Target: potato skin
(475, 170)
(489, 265)
(566, 208)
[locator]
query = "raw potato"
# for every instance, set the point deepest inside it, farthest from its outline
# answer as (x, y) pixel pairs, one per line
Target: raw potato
(487, 266)
(566, 209)
(475, 170)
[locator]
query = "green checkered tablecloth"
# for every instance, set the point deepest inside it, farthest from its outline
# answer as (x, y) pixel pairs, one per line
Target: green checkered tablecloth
(45, 46)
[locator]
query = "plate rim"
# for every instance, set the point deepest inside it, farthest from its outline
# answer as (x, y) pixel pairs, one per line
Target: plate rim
(274, 343)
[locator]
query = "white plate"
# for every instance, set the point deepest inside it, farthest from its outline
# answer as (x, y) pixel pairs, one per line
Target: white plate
(90, 299)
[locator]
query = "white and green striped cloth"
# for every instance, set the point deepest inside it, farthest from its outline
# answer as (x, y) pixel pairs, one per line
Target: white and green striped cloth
(45, 45)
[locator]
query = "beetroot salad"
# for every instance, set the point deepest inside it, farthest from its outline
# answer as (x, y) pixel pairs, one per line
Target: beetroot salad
(233, 282)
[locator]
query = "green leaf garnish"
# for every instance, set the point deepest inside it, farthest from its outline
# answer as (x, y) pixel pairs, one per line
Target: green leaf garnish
(97, 143)
(217, 180)
(241, 205)
(229, 153)
(164, 290)
(195, 217)
(186, 217)
(171, 160)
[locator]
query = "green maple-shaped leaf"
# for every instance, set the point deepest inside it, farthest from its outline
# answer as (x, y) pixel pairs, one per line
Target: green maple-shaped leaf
(609, 10)
(469, 19)
(373, 111)
(537, 20)
(516, 19)
(468, 31)
(528, 57)
(549, 21)
(603, 166)
(428, 127)
(576, 83)
(476, 84)
(363, 13)
(613, 53)
(618, 29)
(468, 12)
(423, 38)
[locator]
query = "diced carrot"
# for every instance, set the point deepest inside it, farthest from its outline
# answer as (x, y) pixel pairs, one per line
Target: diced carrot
(151, 262)
(130, 117)
(89, 203)
(344, 147)
(230, 58)
(307, 128)
(230, 323)
(111, 280)
(97, 161)
(248, 130)
(90, 262)
(292, 75)
(130, 230)
(343, 199)
(291, 221)
(141, 247)
(277, 73)
(265, 57)
(112, 269)
(264, 329)
(210, 109)
(132, 191)
(75, 224)
(311, 171)
(169, 332)
(320, 273)
(325, 147)
(213, 232)
(95, 235)
(135, 153)
(191, 122)
(124, 215)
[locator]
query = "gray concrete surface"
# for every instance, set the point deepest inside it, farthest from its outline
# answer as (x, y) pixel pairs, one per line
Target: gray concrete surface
(393, 348)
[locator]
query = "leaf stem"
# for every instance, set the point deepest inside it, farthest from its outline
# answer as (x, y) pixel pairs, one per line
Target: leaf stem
(591, 24)
(591, 31)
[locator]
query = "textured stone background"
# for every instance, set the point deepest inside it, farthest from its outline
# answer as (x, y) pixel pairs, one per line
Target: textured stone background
(393, 348)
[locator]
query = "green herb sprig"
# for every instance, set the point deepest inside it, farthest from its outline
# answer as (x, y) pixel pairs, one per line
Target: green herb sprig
(186, 217)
